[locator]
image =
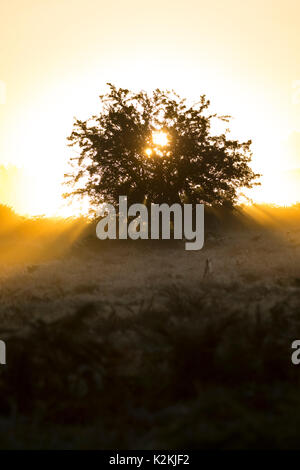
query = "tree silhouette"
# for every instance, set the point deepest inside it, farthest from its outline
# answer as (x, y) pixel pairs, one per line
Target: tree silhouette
(156, 148)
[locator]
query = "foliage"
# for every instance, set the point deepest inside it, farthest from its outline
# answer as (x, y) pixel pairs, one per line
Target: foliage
(117, 155)
(191, 375)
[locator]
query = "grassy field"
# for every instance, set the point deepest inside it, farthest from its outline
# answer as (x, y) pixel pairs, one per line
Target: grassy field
(134, 345)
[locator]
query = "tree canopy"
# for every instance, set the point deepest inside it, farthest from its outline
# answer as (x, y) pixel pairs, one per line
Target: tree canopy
(157, 148)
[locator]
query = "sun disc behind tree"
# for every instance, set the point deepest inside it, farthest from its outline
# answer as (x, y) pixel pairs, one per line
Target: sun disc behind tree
(160, 138)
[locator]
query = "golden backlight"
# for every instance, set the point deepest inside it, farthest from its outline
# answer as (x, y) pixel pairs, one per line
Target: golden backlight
(256, 79)
(160, 138)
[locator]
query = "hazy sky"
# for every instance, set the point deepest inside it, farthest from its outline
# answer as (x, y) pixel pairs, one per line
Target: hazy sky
(57, 55)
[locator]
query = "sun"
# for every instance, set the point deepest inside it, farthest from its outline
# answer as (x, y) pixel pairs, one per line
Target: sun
(160, 138)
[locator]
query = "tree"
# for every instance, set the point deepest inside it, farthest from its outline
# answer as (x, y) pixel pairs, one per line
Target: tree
(156, 148)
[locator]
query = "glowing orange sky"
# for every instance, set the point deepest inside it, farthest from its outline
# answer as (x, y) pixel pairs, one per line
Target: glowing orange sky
(57, 55)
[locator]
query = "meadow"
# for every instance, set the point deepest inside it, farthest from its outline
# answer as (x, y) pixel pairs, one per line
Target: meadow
(142, 344)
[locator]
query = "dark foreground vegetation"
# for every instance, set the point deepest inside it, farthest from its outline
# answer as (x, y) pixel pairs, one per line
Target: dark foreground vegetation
(134, 346)
(193, 374)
